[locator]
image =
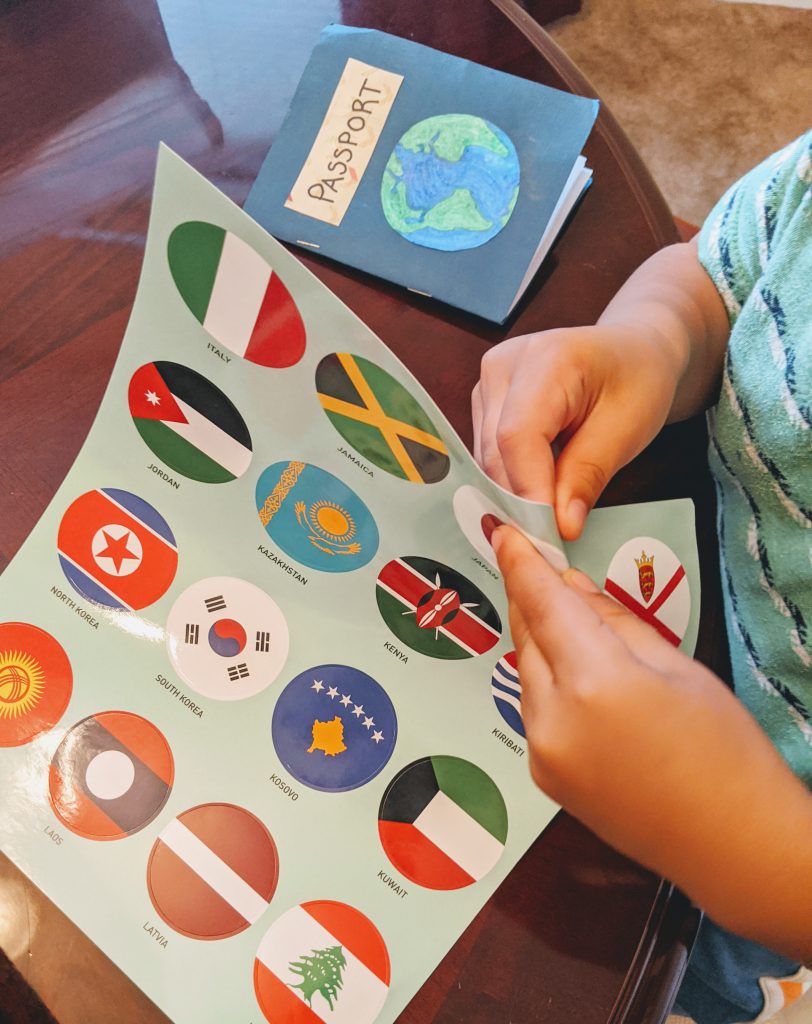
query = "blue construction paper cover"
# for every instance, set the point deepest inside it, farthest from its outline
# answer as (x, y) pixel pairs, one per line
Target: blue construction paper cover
(422, 168)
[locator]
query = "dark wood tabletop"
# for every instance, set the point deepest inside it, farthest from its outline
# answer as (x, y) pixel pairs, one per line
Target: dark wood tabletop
(577, 933)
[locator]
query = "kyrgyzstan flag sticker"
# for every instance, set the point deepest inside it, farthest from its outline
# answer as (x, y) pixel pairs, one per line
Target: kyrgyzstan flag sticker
(212, 871)
(111, 775)
(233, 292)
(507, 691)
(36, 681)
(443, 822)
(189, 423)
(322, 961)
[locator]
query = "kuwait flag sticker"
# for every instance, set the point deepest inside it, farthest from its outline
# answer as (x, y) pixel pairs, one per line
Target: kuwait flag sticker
(110, 775)
(230, 289)
(189, 423)
(322, 961)
(36, 681)
(647, 577)
(442, 822)
(212, 871)
(507, 691)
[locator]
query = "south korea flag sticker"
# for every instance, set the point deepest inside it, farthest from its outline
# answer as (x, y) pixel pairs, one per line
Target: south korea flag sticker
(647, 578)
(227, 639)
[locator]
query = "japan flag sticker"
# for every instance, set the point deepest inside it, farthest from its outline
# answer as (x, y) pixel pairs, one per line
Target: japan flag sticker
(647, 578)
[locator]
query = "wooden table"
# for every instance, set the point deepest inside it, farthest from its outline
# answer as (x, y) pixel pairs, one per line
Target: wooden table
(577, 933)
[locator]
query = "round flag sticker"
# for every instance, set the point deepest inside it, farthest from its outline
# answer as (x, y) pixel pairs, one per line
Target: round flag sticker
(647, 577)
(322, 961)
(507, 691)
(111, 775)
(226, 638)
(442, 822)
(436, 610)
(315, 518)
(334, 728)
(36, 681)
(212, 871)
(379, 418)
(189, 423)
(231, 290)
(116, 550)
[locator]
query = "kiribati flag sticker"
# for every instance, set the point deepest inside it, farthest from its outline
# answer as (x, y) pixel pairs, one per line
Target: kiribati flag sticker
(231, 290)
(322, 961)
(189, 423)
(443, 822)
(111, 775)
(226, 638)
(315, 518)
(507, 691)
(36, 682)
(116, 550)
(334, 728)
(647, 577)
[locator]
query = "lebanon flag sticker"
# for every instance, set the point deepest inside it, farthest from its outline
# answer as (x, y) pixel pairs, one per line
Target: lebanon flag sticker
(647, 577)
(322, 961)
(231, 290)
(507, 691)
(111, 775)
(116, 550)
(212, 871)
(189, 423)
(443, 822)
(36, 681)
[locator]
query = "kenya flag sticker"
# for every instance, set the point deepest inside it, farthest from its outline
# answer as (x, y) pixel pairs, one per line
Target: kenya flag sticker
(647, 577)
(322, 961)
(36, 682)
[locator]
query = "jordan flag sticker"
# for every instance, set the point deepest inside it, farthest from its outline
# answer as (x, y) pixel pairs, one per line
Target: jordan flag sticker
(435, 610)
(380, 419)
(442, 822)
(322, 961)
(110, 775)
(189, 423)
(230, 289)
(212, 871)
(36, 681)
(226, 638)
(507, 691)
(116, 550)
(647, 577)
(334, 728)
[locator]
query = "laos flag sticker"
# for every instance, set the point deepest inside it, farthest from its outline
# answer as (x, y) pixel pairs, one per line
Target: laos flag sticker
(647, 577)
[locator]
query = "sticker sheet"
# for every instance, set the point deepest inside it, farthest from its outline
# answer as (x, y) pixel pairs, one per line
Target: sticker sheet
(259, 708)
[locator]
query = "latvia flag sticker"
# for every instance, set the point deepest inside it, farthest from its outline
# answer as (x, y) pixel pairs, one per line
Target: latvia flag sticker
(443, 822)
(647, 577)
(36, 681)
(212, 871)
(322, 961)
(230, 289)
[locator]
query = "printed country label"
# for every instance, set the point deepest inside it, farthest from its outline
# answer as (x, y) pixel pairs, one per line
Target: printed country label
(36, 681)
(436, 610)
(111, 775)
(443, 822)
(212, 871)
(380, 419)
(507, 691)
(189, 423)
(315, 517)
(334, 728)
(233, 292)
(116, 550)
(647, 577)
(226, 638)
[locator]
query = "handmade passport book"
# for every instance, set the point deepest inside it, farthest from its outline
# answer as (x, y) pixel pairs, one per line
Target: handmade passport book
(428, 170)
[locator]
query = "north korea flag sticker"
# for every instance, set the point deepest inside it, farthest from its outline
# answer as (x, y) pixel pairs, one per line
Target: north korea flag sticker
(647, 578)
(213, 871)
(36, 681)
(322, 961)
(111, 775)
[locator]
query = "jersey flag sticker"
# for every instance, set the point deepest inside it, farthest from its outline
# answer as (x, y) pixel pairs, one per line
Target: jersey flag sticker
(647, 577)
(36, 681)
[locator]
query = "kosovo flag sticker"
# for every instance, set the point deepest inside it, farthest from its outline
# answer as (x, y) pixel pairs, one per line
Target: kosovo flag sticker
(36, 681)
(647, 577)
(436, 610)
(116, 550)
(334, 728)
(443, 822)
(380, 419)
(226, 638)
(213, 871)
(315, 518)
(507, 691)
(231, 290)
(111, 775)
(322, 961)
(189, 423)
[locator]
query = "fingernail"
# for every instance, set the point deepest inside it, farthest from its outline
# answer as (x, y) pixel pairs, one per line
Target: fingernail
(581, 581)
(489, 522)
(576, 514)
(497, 537)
